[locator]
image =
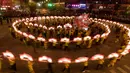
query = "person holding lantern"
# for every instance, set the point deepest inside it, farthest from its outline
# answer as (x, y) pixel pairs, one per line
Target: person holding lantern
(66, 46)
(85, 66)
(100, 64)
(90, 43)
(54, 44)
(112, 62)
(66, 68)
(78, 44)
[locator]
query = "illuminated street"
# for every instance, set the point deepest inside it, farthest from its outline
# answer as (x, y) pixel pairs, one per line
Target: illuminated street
(58, 36)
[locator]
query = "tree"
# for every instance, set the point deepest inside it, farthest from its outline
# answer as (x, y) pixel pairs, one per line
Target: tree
(32, 6)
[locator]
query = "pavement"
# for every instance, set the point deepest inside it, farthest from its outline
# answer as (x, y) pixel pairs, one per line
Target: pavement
(17, 47)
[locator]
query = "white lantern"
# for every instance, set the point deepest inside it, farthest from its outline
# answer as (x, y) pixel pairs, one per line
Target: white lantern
(45, 59)
(64, 60)
(81, 59)
(77, 39)
(26, 57)
(41, 39)
(97, 57)
(65, 40)
(112, 55)
(87, 38)
(8, 55)
(52, 40)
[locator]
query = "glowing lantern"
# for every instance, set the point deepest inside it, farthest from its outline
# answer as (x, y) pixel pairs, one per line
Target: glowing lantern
(65, 40)
(77, 39)
(39, 18)
(97, 57)
(40, 25)
(96, 36)
(44, 27)
(47, 17)
(31, 19)
(51, 28)
(81, 59)
(8, 55)
(64, 60)
(87, 38)
(45, 59)
(23, 19)
(19, 32)
(104, 35)
(26, 57)
(25, 34)
(36, 25)
(31, 24)
(43, 17)
(25, 23)
(67, 25)
(127, 47)
(125, 52)
(59, 26)
(52, 17)
(113, 55)
(41, 39)
(52, 40)
(31, 36)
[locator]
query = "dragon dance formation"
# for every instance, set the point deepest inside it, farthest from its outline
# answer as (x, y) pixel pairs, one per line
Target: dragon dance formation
(60, 32)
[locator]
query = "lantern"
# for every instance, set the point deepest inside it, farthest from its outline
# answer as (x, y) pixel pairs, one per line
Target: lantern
(59, 26)
(97, 36)
(67, 25)
(26, 57)
(44, 27)
(19, 32)
(81, 59)
(36, 25)
(31, 36)
(87, 38)
(41, 39)
(31, 24)
(40, 25)
(45, 59)
(64, 60)
(65, 40)
(8, 55)
(113, 55)
(51, 28)
(77, 39)
(25, 34)
(97, 57)
(125, 52)
(52, 40)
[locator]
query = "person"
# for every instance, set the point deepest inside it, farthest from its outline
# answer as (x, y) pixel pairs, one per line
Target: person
(90, 43)
(66, 46)
(45, 45)
(50, 68)
(12, 64)
(85, 66)
(54, 44)
(112, 62)
(100, 64)
(30, 67)
(78, 44)
(66, 68)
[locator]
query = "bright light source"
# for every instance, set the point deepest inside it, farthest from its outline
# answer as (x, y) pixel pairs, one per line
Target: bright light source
(38, 4)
